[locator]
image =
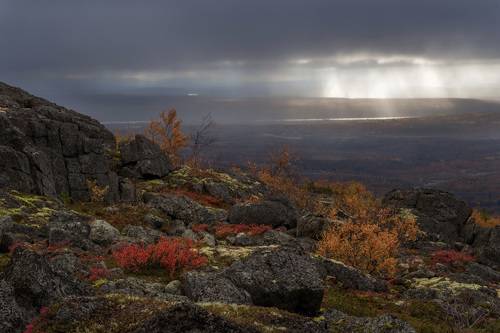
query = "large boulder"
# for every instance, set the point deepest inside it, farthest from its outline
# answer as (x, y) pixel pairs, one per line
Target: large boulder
(49, 150)
(349, 277)
(486, 243)
(213, 287)
(439, 214)
(184, 209)
(279, 278)
(275, 213)
(38, 282)
(103, 233)
(142, 158)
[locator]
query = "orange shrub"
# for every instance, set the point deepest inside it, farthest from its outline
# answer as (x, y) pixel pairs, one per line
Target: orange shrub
(372, 238)
(364, 246)
(484, 219)
(174, 255)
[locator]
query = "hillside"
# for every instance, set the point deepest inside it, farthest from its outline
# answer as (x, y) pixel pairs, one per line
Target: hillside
(104, 236)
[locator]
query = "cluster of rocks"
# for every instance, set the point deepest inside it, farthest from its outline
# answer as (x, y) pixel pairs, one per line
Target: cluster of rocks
(445, 218)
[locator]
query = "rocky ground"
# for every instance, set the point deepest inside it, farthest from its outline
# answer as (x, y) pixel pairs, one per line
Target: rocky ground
(257, 268)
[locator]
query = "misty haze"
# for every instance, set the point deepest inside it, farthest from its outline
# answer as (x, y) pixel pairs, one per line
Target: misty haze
(250, 166)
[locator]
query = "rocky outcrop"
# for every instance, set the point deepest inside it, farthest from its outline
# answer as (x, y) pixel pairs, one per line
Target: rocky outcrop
(141, 158)
(184, 209)
(213, 287)
(439, 214)
(275, 213)
(47, 149)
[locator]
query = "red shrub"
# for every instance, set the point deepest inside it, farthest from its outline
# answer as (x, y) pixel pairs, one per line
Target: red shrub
(97, 273)
(200, 227)
(447, 257)
(224, 230)
(132, 257)
(173, 255)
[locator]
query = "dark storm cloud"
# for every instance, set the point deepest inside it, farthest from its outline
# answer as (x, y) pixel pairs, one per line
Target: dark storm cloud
(105, 35)
(69, 46)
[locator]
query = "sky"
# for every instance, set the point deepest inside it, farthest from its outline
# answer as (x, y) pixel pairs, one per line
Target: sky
(78, 52)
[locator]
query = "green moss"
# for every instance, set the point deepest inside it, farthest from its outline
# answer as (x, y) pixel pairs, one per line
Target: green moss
(424, 316)
(4, 261)
(269, 320)
(112, 313)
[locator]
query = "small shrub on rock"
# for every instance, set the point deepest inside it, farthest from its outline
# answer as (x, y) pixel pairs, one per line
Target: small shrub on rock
(174, 255)
(225, 230)
(200, 227)
(447, 257)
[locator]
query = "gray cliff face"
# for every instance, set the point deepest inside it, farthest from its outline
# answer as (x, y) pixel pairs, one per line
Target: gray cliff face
(49, 150)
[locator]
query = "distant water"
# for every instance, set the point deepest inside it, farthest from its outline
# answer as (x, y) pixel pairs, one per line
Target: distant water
(341, 119)
(285, 120)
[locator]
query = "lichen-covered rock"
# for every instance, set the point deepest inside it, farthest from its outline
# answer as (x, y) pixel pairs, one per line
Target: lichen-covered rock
(348, 276)
(281, 278)
(184, 209)
(144, 235)
(38, 282)
(142, 158)
(49, 150)
(439, 214)
(484, 272)
(136, 287)
(340, 322)
(275, 213)
(103, 233)
(487, 246)
(213, 287)
(13, 318)
(70, 227)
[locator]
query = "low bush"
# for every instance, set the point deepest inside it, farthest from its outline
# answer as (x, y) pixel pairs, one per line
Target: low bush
(174, 255)
(225, 230)
(200, 227)
(447, 257)
(371, 239)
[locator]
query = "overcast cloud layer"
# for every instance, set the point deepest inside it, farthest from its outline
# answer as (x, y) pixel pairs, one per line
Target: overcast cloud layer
(328, 48)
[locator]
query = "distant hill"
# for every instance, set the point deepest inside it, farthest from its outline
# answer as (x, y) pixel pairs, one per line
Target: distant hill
(243, 110)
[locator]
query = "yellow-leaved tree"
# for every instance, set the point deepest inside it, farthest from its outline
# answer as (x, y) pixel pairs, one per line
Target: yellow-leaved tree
(167, 133)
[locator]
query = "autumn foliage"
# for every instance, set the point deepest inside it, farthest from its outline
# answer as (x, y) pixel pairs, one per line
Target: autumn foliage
(280, 177)
(371, 238)
(485, 220)
(174, 255)
(166, 132)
